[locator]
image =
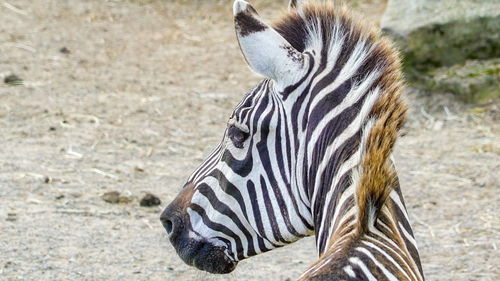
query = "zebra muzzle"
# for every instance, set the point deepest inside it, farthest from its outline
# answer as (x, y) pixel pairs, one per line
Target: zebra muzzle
(193, 249)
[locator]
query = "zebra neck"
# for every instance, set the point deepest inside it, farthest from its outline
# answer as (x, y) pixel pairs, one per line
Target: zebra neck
(329, 177)
(335, 213)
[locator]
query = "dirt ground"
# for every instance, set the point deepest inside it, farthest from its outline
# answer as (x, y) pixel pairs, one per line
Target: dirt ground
(129, 96)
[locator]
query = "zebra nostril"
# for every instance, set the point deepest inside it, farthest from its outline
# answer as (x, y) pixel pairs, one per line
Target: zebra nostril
(168, 226)
(169, 221)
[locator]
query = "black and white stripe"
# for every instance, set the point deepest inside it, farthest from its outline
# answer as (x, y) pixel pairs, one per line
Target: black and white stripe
(297, 169)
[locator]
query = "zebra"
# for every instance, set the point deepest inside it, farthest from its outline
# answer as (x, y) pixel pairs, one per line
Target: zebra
(306, 152)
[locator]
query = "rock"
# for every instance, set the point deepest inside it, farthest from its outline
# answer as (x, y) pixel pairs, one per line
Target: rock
(150, 200)
(13, 79)
(114, 197)
(433, 35)
(442, 33)
(7, 264)
(11, 217)
(65, 50)
(474, 81)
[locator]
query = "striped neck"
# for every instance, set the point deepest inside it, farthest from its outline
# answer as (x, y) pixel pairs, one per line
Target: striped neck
(334, 151)
(352, 80)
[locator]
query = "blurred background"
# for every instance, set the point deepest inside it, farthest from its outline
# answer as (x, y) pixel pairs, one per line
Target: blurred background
(107, 106)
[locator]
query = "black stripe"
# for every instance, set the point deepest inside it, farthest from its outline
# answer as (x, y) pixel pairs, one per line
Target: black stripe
(220, 228)
(221, 207)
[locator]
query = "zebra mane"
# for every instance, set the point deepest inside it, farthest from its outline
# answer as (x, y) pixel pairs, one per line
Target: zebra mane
(306, 151)
(336, 36)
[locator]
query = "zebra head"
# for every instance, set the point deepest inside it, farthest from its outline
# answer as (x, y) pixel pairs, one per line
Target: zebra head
(306, 151)
(244, 199)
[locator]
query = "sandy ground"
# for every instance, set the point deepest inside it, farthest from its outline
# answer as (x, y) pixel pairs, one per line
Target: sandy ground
(139, 96)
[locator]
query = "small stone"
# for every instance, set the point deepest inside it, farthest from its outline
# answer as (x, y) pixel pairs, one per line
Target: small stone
(64, 50)
(150, 200)
(438, 125)
(76, 194)
(52, 128)
(114, 197)
(13, 80)
(11, 217)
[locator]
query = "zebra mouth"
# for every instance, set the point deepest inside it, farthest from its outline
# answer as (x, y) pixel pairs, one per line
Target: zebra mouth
(211, 255)
(205, 256)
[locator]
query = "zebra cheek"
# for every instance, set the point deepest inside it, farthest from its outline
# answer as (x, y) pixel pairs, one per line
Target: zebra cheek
(241, 167)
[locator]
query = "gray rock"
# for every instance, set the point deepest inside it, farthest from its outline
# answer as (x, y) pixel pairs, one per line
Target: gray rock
(476, 81)
(434, 34)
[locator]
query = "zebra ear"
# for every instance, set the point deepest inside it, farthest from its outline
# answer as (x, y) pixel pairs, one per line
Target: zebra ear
(264, 49)
(295, 4)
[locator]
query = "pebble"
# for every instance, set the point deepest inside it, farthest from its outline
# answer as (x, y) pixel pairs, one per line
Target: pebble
(64, 50)
(13, 79)
(150, 200)
(11, 217)
(114, 197)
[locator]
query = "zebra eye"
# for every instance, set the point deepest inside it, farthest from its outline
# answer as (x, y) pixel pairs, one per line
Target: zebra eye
(237, 136)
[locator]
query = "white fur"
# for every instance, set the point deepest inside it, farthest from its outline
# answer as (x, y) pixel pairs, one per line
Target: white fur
(268, 53)
(384, 270)
(349, 271)
(362, 266)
